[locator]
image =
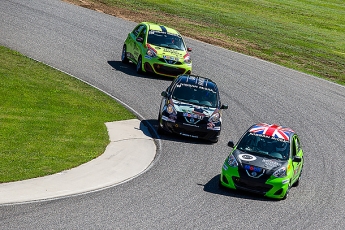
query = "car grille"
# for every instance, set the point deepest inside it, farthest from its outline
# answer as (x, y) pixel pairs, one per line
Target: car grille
(162, 69)
(250, 185)
(170, 61)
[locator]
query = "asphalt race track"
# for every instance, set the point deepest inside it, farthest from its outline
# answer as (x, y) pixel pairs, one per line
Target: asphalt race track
(180, 190)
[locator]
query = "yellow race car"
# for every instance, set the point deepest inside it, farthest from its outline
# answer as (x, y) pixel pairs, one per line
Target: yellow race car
(157, 49)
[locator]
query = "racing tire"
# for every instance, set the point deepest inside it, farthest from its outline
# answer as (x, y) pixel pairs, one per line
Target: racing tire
(287, 192)
(160, 130)
(124, 58)
(298, 180)
(139, 65)
(220, 186)
(213, 141)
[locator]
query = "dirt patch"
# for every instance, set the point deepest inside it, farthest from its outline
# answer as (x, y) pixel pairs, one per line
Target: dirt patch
(185, 25)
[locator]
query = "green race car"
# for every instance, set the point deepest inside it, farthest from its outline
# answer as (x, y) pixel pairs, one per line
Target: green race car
(157, 49)
(268, 160)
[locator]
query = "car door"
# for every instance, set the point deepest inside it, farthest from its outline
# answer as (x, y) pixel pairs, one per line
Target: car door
(131, 44)
(140, 41)
(297, 152)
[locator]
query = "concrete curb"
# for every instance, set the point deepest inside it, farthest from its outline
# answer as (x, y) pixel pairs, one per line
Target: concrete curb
(130, 151)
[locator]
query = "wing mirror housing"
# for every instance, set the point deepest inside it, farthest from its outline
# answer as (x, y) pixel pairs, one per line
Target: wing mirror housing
(231, 144)
(224, 107)
(297, 159)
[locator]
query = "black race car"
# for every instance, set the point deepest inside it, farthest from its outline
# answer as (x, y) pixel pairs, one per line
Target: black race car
(191, 107)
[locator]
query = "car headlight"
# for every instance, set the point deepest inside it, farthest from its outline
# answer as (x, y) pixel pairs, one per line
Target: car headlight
(151, 51)
(170, 109)
(187, 58)
(215, 118)
(232, 162)
(281, 172)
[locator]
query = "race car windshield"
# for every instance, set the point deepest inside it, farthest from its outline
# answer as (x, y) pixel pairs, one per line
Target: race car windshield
(163, 39)
(265, 146)
(195, 95)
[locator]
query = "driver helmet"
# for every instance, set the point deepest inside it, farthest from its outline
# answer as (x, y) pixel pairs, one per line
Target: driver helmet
(281, 146)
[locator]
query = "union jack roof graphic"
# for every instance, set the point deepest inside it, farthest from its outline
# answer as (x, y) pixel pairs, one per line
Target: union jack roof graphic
(272, 130)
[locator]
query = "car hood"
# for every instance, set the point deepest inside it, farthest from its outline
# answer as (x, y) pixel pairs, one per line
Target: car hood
(184, 107)
(246, 160)
(170, 54)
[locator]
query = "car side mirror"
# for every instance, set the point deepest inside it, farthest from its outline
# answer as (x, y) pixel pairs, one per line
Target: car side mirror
(231, 144)
(224, 107)
(189, 49)
(164, 94)
(140, 39)
(297, 159)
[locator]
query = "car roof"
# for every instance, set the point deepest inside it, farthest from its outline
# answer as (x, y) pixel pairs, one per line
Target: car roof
(272, 130)
(196, 80)
(162, 28)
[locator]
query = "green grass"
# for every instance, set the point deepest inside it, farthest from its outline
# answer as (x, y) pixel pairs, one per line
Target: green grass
(49, 121)
(306, 35)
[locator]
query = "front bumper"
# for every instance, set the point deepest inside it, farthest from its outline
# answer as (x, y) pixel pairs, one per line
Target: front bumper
(193, 131)
(157, 66)
(273, 187)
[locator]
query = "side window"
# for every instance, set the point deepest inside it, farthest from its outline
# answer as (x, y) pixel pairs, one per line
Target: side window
(294, 146)
(298, 146)
(137, 30)
(143, 33)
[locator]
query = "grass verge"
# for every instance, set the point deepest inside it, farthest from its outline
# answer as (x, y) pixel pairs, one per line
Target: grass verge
(49, 121)
(301, 34)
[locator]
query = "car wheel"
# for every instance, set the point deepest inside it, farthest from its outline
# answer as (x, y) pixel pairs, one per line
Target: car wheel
(213, 141)
(139, 65)
(160, 130)
(124, 58)
(287, 192)
(220, 186)
(298, 180)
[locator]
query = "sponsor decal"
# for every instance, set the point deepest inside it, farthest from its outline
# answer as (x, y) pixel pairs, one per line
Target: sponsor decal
(246, 157)
(165, 118)
(170, 58)
(174, 52)
(188, 135)
(212, 126)
(252, 168)
(196, 86)
(173, 116)
(193, 115)
(254, 171)
(285, 181)
(297, 169)
(187, 124)
(270, 163)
